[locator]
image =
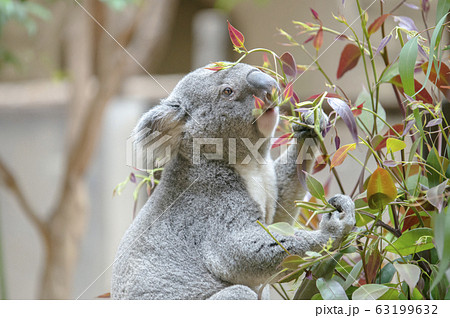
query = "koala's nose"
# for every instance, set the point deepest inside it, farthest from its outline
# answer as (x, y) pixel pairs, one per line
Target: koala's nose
(260, 80)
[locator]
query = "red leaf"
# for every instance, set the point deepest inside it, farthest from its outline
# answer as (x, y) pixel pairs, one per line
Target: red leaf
(320, 163)
(373, 264)
(349, 58)
(332, 95)
(377, 24)
(258, 102)
(284, 139)
(444, 78)
(217, 66)
(318, 39)
(236, 37)
(309, 39)
(340, 155)
(315, 14)
(411, 219)
(266, 63)
(423, 95)
(358, 110)
(289, 65)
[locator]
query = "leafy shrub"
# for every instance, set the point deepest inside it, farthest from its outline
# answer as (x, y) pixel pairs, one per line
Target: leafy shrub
(401, 249)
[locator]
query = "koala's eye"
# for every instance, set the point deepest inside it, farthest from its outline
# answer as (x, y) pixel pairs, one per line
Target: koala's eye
(227, 91)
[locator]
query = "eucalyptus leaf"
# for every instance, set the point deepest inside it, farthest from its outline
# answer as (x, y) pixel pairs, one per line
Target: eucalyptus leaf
(353, 275)
(409, 273)
(412, 241)
(406, 65)
(366, 120)
(441, 225)
(282, 228)
(331, 289)
(369, 292)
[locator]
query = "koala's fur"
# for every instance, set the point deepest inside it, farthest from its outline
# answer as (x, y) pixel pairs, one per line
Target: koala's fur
(197, 235)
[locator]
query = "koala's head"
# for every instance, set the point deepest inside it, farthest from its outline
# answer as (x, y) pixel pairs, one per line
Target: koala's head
(209, 105)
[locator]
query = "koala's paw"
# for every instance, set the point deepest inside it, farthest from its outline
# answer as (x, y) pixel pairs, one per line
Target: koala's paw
(308, 118)
(340, 222)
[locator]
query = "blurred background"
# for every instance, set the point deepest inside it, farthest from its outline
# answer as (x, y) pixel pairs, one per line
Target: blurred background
(75, 76)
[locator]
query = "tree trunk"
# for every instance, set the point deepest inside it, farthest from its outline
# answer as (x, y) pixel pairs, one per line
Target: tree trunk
(65, 231)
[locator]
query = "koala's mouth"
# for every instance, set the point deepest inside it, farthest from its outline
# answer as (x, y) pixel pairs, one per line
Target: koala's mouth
(270, 100)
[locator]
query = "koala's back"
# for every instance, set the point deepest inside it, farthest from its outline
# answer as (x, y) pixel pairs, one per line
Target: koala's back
(162, 254)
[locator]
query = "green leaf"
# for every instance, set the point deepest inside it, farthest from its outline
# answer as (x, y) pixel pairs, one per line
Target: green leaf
(433, 176)
(391, 294)
(331, 289)
(409, 273)
(406, 64)
(353, 275)
(411, 242)
(394, 144)
(441, 225)
(436, 38)
(282, 228)
(315, 187)
(369, 292)
(313, 254)
(386, 274)
(292, 262)
(389, 73)
(366, 120)
(442, 8)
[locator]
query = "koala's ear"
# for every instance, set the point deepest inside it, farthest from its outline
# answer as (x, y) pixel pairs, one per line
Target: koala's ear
(156, 138)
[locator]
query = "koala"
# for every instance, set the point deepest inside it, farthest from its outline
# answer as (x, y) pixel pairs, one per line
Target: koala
(197, 236)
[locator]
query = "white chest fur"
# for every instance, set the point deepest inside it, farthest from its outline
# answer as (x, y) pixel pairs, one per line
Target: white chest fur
(260, 181)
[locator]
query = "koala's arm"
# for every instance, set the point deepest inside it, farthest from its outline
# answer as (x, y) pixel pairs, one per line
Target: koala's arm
(299, 155)
(250, 256)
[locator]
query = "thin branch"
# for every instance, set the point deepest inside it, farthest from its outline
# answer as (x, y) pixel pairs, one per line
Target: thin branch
(8, 179)
(396, 232)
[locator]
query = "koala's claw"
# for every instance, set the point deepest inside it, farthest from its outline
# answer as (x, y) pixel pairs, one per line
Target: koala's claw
(341, 221)
(308, 119)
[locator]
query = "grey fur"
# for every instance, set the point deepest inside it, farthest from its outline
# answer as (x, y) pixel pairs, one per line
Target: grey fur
(197, 235)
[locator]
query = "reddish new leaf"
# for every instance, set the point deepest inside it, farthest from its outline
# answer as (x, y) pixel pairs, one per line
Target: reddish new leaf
(315, 14)
(289, 65)
(320, 163)
(423, 95)
(266, 63)
(309, 39)
(358, 110)
(318, 39)
(373, 264)
(236, 37)
(381, 189)
(284, 139)
(444, 77)
(411, 220)
(218, 66)
(288, 91)
(340, 155)
(332, 95)
(377, 24)
(259, 103)
(349, 59)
